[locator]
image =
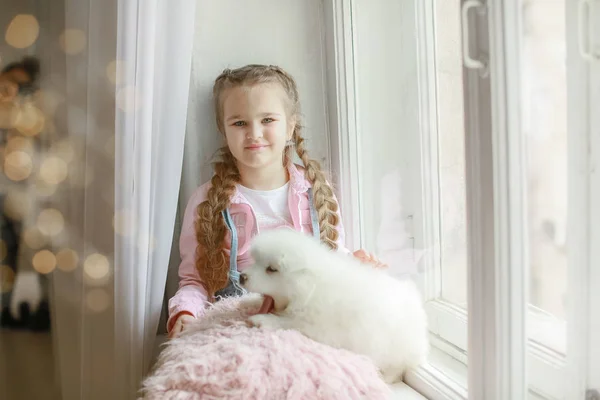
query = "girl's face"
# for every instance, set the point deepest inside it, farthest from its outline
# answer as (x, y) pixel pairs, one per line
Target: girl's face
(256, 124)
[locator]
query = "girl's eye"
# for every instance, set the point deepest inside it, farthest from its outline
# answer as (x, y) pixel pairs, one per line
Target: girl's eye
(267, 120)
(239, 123)
(270, 270)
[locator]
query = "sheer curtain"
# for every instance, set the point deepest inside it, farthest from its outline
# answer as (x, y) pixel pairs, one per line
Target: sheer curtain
(155, 42)
(122, 81)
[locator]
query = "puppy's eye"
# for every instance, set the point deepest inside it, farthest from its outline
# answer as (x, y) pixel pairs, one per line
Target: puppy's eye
(270, 270)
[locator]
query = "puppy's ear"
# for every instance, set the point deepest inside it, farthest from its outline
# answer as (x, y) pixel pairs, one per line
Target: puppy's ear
(292, 259)
(281, 261)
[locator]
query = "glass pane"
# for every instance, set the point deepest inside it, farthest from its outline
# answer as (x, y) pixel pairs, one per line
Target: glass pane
(389, 143)
(451, 147)
(545, 128)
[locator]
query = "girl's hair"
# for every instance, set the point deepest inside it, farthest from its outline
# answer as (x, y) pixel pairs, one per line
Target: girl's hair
(212, 261)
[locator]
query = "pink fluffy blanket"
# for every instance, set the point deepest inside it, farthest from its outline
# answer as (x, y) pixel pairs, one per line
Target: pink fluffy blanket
(221, 357)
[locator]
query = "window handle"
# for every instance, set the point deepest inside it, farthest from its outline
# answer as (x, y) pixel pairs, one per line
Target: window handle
(584, 10)
(469, 62)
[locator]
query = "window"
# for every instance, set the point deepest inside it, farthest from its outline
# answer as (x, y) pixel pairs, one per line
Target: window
(470, 152)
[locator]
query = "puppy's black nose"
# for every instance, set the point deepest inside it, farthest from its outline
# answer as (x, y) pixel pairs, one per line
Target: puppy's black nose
(243, 278)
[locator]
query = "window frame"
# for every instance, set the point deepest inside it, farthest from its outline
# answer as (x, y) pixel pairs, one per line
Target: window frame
(342, 105)
(450, 324)
(583, 80)
(498, 368)
(494, 156)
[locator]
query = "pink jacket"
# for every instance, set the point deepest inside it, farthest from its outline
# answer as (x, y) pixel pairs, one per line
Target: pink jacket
(191, 296)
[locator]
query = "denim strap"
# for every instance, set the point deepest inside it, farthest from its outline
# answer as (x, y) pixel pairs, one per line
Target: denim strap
(313, 215)
(234, 275)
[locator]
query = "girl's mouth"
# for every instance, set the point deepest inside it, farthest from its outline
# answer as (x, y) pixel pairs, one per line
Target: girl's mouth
(256, 147)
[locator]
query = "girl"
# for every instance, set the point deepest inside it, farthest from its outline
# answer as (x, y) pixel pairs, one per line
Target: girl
(256, 186)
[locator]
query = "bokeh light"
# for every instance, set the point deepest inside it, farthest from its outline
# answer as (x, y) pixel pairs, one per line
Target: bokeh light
(53, 170)
(115, 72)
(30, 120)
(123, 223)
(16, 204)
(18, 165)
(67, 260)
(50, 222)
(72, 41)
(44, 261)
(97, 300)
(22, 31)
(96, 266)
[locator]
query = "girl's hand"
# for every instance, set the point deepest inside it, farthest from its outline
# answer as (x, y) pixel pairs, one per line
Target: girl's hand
(369, 258)
(181, 322)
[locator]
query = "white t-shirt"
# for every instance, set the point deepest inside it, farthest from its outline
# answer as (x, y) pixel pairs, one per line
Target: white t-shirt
(270, 206)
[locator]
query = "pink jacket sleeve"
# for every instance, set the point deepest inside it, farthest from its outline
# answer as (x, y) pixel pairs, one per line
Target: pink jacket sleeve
(191, 296)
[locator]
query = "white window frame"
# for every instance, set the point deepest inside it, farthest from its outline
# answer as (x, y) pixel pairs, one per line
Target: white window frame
(449, 323)
(342, 106)
(583, 53)
(498, 368)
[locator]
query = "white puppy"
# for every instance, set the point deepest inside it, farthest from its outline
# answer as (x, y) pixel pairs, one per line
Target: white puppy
(334, 299)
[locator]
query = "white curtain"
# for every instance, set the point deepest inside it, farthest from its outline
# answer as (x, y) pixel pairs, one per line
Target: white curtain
(123, 93)
(155, 41)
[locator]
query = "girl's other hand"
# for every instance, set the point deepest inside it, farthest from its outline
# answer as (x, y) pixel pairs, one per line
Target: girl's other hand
(369, 258)
(181, 323)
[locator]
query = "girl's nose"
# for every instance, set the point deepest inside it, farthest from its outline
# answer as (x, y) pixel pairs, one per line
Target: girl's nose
(254, 131)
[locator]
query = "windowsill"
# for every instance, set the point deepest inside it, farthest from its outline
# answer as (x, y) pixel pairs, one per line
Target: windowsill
(401, 391)
(448, 326)
(443, 377)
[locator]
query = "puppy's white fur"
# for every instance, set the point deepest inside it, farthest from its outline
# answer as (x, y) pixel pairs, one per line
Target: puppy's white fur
(334, 299)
